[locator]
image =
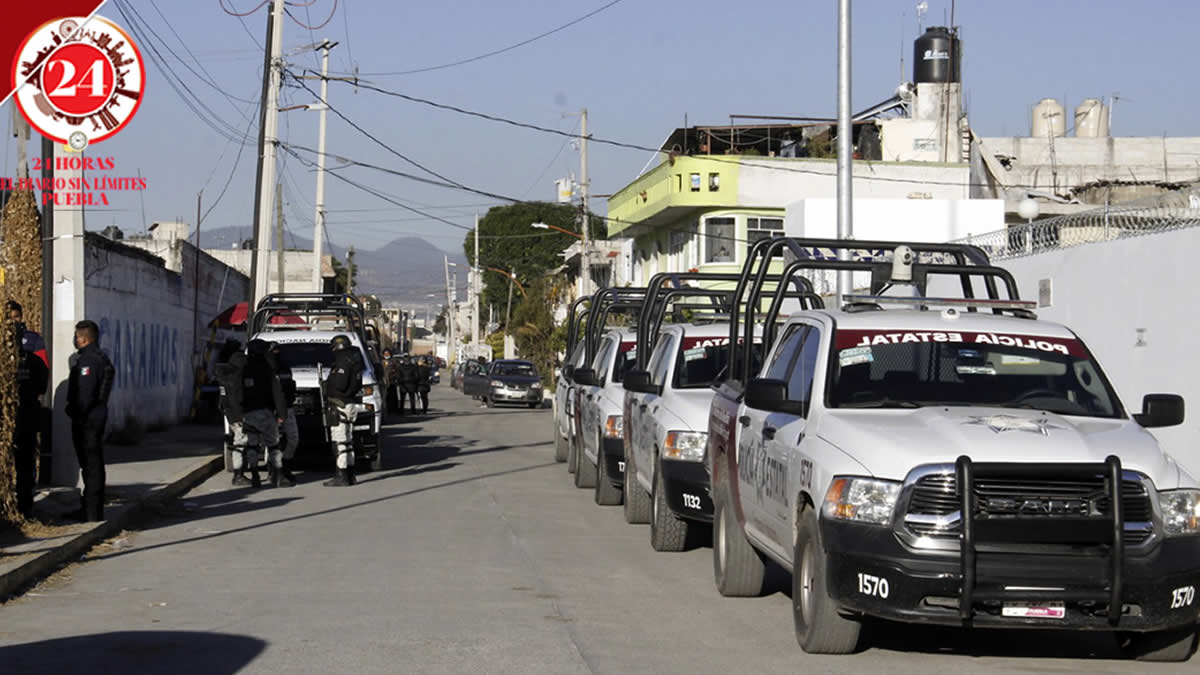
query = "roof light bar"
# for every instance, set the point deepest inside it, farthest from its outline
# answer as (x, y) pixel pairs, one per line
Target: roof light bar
(987, 303)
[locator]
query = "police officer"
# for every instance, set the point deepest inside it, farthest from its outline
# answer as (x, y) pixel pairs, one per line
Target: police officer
(32, 377)
(230, 377)
(263, 411)
(88, 387)
(31, 341)
(289, 430)
(424, 378)
(407, 389)
(342, 387)
(389, 372)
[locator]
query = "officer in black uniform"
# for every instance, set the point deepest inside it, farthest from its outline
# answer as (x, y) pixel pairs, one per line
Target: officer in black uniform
(88, 388)
(32, 377)
(230, 379)
(264, 410)
(289, 430)
(343, 387)
(407, 386)
(424, 382)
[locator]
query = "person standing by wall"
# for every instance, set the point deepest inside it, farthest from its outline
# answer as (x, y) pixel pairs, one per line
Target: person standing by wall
(88, 388)
(32, 378)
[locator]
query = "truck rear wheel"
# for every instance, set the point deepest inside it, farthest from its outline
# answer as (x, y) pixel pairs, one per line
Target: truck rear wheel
(819, 627)
(738, 569)
(1176, 644)
(560, 446)
(585, 471)
(637, 502)
(606, 493)
(667, 533)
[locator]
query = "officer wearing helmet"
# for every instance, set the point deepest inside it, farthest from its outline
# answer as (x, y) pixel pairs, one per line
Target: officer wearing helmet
(289, 430)
(342, 389)
(263, 409)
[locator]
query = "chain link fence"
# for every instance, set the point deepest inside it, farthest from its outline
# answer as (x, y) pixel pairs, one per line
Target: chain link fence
(1173, 211)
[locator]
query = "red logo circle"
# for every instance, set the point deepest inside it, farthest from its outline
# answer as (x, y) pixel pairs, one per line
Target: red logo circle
(79, 80)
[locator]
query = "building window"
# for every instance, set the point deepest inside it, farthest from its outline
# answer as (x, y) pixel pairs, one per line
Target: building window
(719, 240)
(714, 182)
(679, 182)
(762, 228)
(695, 178)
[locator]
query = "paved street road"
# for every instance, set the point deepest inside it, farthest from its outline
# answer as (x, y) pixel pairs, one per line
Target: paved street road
(470, 553)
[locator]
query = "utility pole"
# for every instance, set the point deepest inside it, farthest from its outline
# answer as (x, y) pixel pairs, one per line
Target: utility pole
(512, 276)
(196, 282)
(319, 216)
(351, 280)
(845, 157)
(450, 347)
(476, 287)
(279, 238)
(585, 263)
(267, 149)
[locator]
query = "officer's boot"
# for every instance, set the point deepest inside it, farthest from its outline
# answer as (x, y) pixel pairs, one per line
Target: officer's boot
(340, 479)
(286, 479)
(239, 468)
(351, 479)
(252, 465)
(272, 476)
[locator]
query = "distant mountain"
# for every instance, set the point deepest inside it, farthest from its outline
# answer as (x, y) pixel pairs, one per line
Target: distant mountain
(405, 270)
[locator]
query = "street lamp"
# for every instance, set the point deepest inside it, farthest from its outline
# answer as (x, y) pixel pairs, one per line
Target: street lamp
(544, 226)
(583, 251)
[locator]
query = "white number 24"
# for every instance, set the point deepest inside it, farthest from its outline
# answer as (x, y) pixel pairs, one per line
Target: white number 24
(869, 584)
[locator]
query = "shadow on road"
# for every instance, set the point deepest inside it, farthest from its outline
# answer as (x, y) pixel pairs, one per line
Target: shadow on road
(145, 652)
(346, 507)
(1006, 643)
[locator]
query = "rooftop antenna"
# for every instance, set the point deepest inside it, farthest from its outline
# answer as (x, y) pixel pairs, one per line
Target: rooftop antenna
(922, 7)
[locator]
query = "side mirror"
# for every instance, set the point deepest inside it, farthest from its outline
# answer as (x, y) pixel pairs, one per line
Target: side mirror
(586, 377)
(568, 372)
(639, 381)
(1160, 410)
(767, 394)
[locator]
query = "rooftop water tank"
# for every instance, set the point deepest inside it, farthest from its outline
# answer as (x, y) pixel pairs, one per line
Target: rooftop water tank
(937, 56)
(1049, 119)
(1091, 119)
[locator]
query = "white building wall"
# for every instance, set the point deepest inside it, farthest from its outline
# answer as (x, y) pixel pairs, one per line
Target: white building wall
(921, 220)
(762, 184)
(1133, 301)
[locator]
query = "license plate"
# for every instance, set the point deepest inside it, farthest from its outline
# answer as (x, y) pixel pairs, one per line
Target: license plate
(362, 427)
(1028, 610)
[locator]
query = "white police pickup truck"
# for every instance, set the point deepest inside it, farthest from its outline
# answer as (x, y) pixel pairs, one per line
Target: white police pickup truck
(564, 403)
(666, 426)
(600, 398)
(953, 467)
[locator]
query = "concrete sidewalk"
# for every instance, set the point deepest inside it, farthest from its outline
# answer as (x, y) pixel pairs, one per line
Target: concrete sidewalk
(164, 465)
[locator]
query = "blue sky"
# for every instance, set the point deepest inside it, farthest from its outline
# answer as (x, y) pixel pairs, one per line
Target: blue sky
(639, 67)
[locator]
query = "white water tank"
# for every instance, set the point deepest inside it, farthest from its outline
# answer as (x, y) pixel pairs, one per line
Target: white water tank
(1091, 119)
(1049, 119)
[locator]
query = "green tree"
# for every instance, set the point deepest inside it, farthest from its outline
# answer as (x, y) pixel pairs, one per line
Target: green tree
(507, 241)
(534, 332)
(439, 325)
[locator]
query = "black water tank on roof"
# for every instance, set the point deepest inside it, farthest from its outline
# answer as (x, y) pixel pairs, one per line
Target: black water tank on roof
(937, 56)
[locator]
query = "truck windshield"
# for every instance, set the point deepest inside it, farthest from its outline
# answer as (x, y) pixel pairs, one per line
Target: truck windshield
(305, 354)
(905, 369)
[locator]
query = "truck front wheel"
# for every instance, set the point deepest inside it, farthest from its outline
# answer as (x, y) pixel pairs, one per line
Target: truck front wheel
(819, 627)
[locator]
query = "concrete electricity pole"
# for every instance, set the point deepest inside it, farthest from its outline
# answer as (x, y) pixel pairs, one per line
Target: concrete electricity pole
(319, 216)
(585, 276)
(451, 349)
(476, 287)
(845, 158)
(268, 140)
(278, 238)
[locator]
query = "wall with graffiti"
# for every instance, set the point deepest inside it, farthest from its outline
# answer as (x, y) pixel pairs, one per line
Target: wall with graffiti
(148, 322)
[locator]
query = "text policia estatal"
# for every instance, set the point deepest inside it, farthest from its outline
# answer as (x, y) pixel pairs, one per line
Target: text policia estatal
(75, 190)
(1020, 341)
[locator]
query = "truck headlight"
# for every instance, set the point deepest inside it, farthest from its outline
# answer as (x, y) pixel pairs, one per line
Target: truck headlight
(1180, 511)
(367, 390)
(614, 426)
(862, 500)
(496, 384)
(685, 445)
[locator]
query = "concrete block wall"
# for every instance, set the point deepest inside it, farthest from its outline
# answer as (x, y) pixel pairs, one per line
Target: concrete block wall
(148, 324)
(1133, 303)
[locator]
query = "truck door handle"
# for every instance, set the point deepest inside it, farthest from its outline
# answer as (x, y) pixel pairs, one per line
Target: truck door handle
(744, 420)
(769, 433)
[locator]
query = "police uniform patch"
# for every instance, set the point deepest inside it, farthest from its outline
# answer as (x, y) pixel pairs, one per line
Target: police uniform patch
(85, 371)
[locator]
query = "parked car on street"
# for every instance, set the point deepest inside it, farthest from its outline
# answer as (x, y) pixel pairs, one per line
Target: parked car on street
(507, 381)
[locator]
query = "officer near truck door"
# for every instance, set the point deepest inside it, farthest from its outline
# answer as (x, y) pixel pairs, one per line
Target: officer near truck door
(230, 378)
(263, 411)
(88, 387)
(32, 378)
(289, 430)
(343, 387)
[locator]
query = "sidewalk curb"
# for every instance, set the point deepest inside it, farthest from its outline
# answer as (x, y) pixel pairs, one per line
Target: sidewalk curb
(13, 582)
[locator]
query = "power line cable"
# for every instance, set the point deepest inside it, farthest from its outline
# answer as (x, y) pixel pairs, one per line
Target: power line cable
(502, 50)
(241, 14)
(320, 25)
(207, 78)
